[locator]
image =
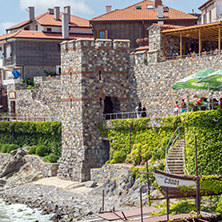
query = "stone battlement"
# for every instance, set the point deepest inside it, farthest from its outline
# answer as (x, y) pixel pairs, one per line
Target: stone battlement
(95, 44)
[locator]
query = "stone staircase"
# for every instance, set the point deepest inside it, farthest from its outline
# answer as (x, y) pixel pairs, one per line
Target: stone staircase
(175, 158)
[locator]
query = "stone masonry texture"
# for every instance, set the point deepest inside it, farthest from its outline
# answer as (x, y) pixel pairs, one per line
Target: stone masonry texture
(93, 70)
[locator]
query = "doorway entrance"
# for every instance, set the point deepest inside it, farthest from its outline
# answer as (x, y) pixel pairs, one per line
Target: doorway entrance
(12, 103)
(111, 105)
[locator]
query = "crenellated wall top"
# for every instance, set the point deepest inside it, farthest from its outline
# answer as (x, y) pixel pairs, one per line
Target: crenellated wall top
(95, 44)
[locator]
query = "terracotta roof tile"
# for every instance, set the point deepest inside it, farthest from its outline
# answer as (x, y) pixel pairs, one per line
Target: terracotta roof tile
(131, 13)
(166, 26)
(48, 19)
(41, 35)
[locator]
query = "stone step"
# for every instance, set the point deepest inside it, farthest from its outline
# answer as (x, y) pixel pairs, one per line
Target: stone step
(175, 161)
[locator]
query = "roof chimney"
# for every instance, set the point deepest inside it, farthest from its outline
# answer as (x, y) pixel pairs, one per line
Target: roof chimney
(160, 11)
(65, 25)
(67, 10)
(50, 11)
(158, 2)
(31, 13)
(108, 8)
(57, 13)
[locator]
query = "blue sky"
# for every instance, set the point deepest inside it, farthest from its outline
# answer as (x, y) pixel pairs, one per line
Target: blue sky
(14, 11)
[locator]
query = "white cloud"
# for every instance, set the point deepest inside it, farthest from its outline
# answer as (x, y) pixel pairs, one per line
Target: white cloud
(77, 6)
(4, 26)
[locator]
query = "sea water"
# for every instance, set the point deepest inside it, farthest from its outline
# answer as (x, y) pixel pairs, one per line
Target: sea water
(21, 213)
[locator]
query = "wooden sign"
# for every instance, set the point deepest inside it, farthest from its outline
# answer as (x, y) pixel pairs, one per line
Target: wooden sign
(12, 95)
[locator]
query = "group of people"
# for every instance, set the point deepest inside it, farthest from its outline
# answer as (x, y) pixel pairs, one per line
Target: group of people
(140, 112)
(183, 107)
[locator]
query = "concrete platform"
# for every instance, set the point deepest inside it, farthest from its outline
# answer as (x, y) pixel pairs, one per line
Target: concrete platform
(75, 187)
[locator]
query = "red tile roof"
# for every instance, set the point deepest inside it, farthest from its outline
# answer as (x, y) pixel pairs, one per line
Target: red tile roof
(166, 26)
(131, 13)
(48, 19)
(41, 35)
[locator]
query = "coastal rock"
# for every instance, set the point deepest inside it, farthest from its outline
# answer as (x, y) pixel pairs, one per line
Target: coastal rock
(90, 184)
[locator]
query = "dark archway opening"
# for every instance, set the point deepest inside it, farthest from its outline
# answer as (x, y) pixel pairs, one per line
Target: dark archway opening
(111, 105)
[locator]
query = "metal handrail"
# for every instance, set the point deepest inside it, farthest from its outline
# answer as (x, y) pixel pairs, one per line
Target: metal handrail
(184, 164)
(28, 118)
(168, 148)
(170, 145)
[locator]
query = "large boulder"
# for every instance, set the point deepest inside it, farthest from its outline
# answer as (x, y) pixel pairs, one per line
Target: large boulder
(14, 165)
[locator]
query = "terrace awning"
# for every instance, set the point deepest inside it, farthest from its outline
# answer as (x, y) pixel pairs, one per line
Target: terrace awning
(205, 32)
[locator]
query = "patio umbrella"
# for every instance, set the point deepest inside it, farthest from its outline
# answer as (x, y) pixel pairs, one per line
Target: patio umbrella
(214, 79)
(191, 81)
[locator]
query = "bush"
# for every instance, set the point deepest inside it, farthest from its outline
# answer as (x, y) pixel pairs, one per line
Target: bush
(119, 156)
(12, 147)
(53, 158)
(41, 150)
(4, 148)
(7, 148)
(32, 149)
(219, 206)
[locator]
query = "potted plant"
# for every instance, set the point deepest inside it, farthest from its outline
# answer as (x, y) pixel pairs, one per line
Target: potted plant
(163, 58)
(190, 103)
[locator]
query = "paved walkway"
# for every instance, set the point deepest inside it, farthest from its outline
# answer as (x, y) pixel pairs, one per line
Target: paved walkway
(75, 187)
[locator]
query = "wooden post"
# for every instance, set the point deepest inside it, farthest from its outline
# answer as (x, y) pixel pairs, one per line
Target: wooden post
(181, 45)
(141, 204)
(164, 45)
(219, 39)
(167, 202)
(103, 202)
(197, 181)
(199, 42)
(148, 184)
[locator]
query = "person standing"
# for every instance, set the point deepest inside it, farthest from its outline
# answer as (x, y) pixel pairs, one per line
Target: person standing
(176, 109)
(183, 106)
(137, 111)
(144, 112)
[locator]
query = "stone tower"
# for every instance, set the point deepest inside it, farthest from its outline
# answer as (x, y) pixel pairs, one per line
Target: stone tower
(94, 81)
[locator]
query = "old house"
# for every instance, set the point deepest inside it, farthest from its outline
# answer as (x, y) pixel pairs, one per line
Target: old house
(132, 22)
(33, 46)
(211, 11)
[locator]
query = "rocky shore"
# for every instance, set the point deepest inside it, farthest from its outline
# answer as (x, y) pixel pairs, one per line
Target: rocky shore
(69, 206)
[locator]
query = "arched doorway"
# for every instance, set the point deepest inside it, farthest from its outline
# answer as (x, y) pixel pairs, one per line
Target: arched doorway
(111, 105)
(108, 106)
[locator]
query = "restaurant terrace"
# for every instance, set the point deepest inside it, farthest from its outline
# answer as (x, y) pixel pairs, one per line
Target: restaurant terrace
(192, 41)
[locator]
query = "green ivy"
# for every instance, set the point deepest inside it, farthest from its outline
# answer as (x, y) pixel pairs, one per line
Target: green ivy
(32, 133)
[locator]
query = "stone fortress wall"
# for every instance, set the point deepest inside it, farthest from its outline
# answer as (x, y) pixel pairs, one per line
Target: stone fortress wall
(95, 73)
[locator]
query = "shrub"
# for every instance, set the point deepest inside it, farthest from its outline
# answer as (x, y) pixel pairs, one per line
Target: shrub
(41, 150)
(32, 149)
(46, 159)
(53, 158)
(219, 206)
(4, 148)
(12, 147)
(119, 156)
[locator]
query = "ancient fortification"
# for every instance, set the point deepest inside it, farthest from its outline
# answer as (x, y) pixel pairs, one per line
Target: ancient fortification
(103, 76)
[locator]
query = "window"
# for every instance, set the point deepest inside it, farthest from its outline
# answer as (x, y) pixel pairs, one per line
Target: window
(58, 47)
(48, 29)
(27, 28)
(138, 7)
(210, 19)
(149, 6)
(165, 9)
(8, 51)
(102, 34)
(36, 28)
(100, 77)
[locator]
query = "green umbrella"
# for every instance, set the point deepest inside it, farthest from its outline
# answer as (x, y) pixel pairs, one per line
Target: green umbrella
(191, 80)
(214, 78)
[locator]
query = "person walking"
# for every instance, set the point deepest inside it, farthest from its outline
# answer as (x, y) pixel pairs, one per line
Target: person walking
(137, 111)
